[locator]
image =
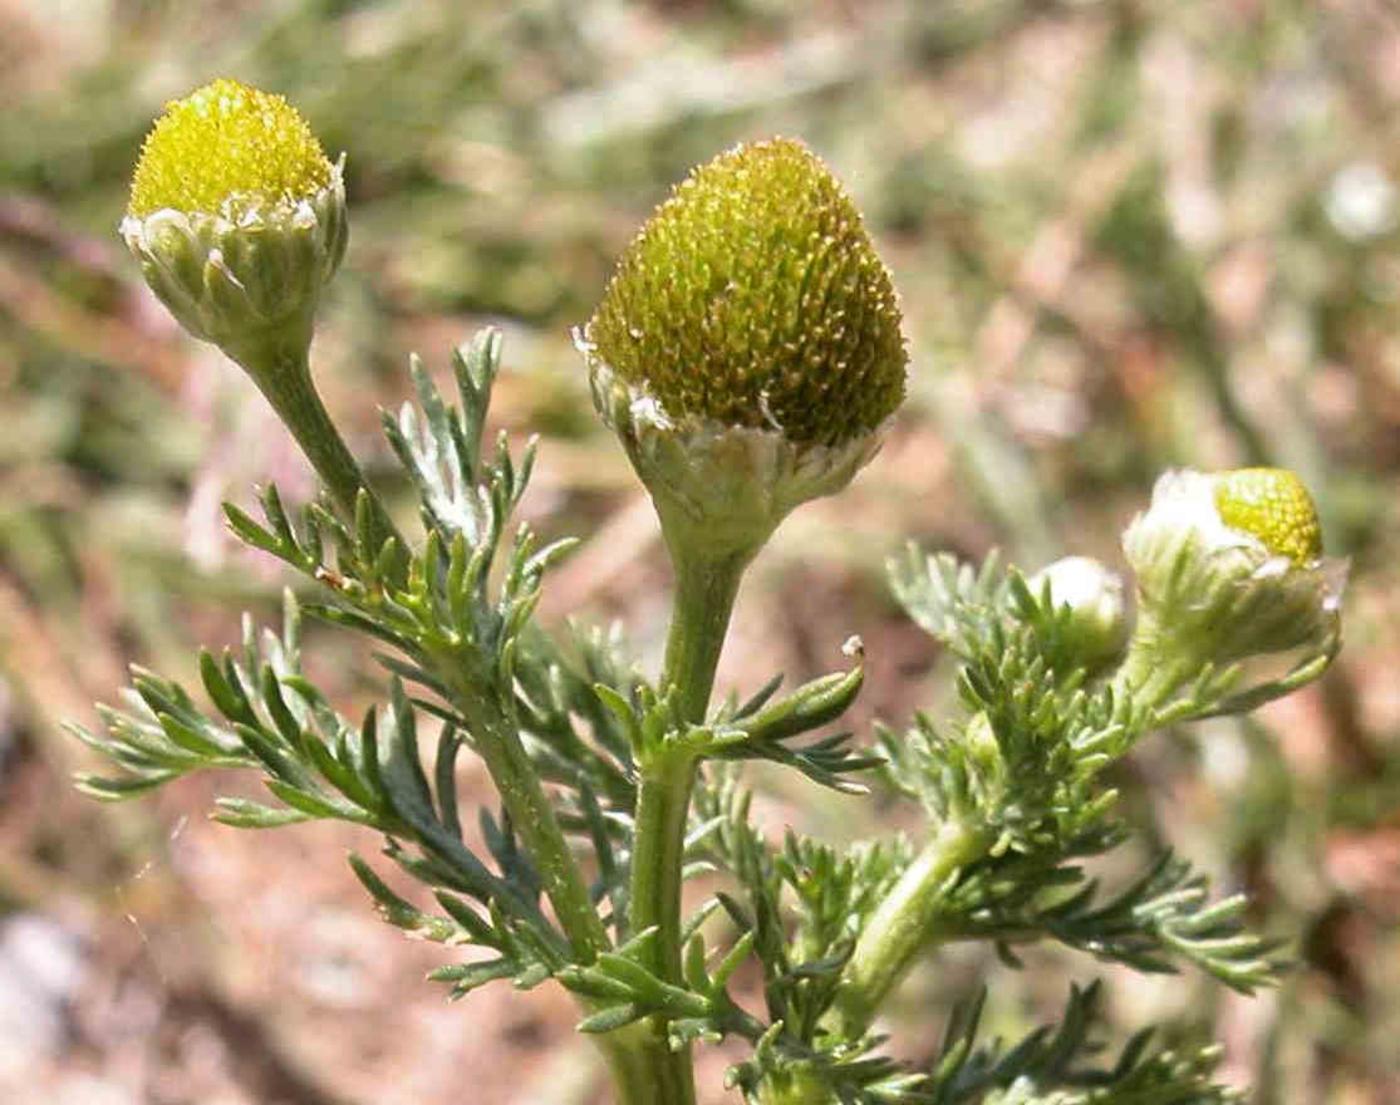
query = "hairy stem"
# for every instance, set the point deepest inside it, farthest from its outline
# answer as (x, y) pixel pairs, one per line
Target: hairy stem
(705, 591)
(663, 804)
(644, 1070)
(902, 925)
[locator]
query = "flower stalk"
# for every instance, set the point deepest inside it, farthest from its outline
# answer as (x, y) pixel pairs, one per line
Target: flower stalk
(1149, 674)
(706, 588)
(518, 783)
(282, 372)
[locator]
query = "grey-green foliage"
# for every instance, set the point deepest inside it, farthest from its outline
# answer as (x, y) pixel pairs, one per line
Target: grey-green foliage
(1034, 789)
(1050, 1065)
(469, 671)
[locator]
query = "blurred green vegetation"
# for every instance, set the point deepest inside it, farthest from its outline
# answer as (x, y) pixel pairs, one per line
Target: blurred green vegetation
(1128, 234)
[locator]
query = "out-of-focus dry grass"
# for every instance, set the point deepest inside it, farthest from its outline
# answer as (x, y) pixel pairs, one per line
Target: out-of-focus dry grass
(1128, 235)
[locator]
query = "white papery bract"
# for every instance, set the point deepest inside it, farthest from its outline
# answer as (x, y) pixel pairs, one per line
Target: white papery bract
(249, 276)
(724, 487)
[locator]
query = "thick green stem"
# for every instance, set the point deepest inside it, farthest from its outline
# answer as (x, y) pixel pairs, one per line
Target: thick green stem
(644, 1070)
(663, 804)
(902, 925)
(705, 592)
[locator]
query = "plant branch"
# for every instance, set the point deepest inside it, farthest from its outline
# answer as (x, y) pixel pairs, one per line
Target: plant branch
(533, 817)
(644, 1069)
(1145, 676)
(705, 592)
(902, 925)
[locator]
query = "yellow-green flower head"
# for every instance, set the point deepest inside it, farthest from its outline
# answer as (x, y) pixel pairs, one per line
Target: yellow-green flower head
(224, 148)
(1272, 505)
(748, 349)
(753, 297)
(238, 221)
(1230, 565)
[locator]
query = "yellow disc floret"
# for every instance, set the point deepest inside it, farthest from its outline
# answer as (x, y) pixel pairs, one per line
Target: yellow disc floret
(753, 297)
(1273, 505)
(224, 149)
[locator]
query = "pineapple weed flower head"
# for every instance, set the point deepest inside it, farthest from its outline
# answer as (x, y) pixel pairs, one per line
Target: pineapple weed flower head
(1229, 565)
(748, 349)
(228, 149)
(238, 220)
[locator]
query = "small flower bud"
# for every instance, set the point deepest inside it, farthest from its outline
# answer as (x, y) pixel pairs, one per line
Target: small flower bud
(238, 222)
(237, 219)
(1229, 566)
(1097, 625)
(748, 349)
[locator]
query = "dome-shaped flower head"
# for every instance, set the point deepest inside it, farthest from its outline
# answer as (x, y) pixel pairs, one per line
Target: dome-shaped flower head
(228, 149)
(237, 218)
(748, 348)
(1230, 565)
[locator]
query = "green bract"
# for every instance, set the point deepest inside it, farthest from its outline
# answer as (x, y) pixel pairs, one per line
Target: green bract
(754, 297)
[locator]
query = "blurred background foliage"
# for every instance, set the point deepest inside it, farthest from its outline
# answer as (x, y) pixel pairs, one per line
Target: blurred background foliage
(1129, 234)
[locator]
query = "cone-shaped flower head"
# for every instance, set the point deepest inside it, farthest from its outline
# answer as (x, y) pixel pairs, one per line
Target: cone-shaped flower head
(754, 298)
(748, 349)
(237, 218)
(1096, 623)
(1230, 565)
